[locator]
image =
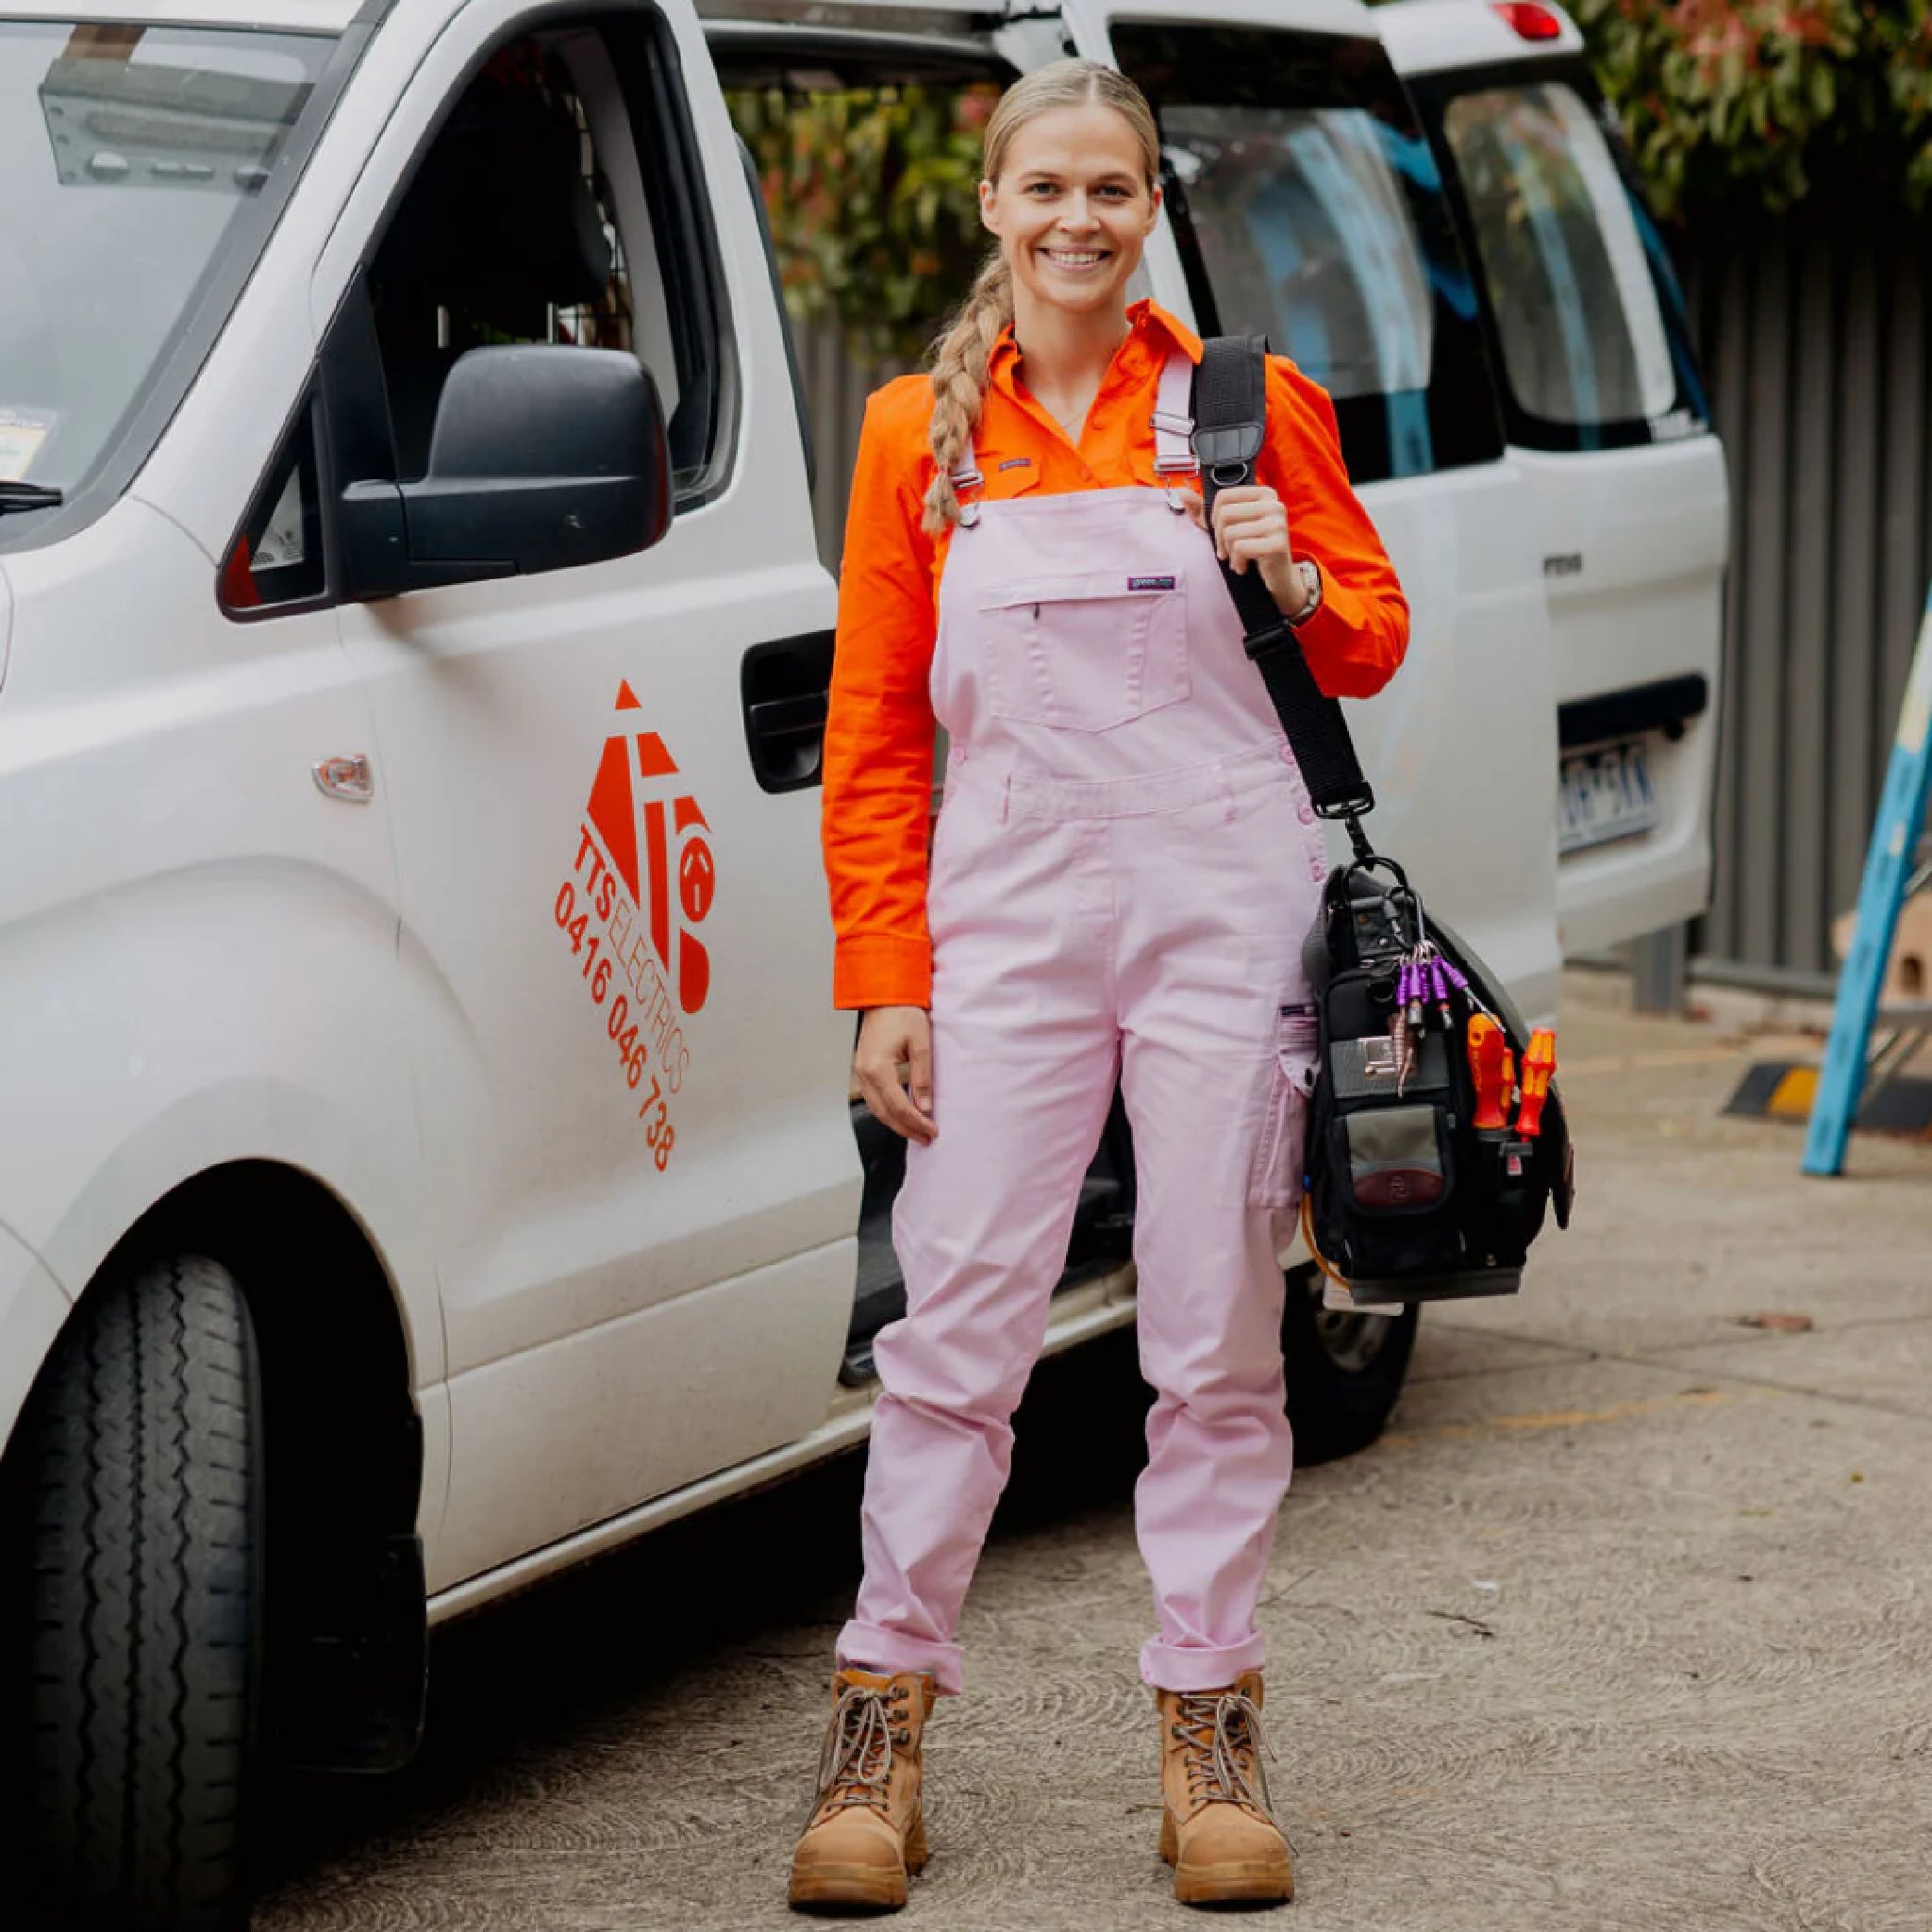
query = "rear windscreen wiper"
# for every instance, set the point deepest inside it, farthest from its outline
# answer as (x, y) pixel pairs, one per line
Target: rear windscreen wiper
(27, 496)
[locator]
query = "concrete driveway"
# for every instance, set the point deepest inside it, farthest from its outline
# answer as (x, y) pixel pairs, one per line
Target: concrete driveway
(1627, 1624)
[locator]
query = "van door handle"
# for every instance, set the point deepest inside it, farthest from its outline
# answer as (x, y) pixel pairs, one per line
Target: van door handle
(785, 685)
(778, 718)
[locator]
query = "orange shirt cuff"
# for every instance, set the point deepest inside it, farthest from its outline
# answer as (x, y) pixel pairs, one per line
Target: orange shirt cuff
(1349, 658)
(881, 970)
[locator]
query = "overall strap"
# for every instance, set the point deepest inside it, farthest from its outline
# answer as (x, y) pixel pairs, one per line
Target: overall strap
(1230, 411)
(1173, 419)
(966, 476)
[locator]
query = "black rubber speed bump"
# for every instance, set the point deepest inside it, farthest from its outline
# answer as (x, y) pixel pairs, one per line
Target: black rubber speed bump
(1784, 1090)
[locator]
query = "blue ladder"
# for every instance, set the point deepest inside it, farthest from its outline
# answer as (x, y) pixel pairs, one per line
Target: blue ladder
(1888, 875)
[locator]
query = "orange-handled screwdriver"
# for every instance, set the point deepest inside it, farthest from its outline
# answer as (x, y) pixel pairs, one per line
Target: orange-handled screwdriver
(1488, 1057)
(1539, 1064)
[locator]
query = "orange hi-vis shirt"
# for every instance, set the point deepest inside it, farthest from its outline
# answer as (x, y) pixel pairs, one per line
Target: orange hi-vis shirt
(878, 761)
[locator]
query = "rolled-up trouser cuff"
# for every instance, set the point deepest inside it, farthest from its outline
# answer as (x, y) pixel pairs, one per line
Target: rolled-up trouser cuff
(1199, 1666)
(889, 1653)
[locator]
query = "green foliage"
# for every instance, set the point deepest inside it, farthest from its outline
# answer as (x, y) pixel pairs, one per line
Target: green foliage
(873, 202)
(1738, 103)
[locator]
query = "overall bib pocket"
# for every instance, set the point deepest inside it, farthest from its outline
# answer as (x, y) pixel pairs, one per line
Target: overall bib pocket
(1275, 1179)
(1085, 653)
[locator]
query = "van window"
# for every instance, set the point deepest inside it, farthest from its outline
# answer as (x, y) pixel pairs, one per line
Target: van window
(865, 152)
(555, 205)
(1585, 312)
(1308, 208)
(277, 559)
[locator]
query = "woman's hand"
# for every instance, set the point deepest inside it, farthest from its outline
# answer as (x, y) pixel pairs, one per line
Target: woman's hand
(1251, 527)
(891, 1037)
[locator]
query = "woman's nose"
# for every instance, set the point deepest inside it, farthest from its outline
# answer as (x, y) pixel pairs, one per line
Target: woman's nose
(1079, 213)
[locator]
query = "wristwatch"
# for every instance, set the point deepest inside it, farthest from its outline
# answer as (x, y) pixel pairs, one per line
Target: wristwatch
(1310, 575)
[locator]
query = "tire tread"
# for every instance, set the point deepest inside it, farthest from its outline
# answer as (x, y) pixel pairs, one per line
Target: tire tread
(143, 1451)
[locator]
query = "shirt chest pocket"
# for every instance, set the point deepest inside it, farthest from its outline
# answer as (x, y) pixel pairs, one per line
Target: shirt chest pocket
(1084, 653)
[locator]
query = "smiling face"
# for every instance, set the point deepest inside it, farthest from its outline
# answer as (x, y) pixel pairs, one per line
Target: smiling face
(1072, 208)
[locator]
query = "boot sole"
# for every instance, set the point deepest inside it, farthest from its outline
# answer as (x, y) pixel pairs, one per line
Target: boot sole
(862, 1888)
(1230, 1885)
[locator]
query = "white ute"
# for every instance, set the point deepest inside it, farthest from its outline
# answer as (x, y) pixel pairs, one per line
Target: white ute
(426, 1157)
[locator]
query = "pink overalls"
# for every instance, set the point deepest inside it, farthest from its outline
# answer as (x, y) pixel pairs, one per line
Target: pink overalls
(1123, 871)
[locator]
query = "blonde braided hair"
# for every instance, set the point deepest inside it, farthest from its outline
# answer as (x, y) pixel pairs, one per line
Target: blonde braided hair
(962, 354)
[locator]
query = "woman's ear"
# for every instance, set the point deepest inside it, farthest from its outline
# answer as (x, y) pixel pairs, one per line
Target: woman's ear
(1155, 201)
(987, 219)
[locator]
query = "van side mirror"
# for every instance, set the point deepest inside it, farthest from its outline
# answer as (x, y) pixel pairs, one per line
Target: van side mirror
(542, 458)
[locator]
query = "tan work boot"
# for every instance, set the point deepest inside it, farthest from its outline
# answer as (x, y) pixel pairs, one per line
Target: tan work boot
(867, 1829)
(1216, 1829)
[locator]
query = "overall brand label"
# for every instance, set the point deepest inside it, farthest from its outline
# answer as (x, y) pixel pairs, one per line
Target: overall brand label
(1150, 583)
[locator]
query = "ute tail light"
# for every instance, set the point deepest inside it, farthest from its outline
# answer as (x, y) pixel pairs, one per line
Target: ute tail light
(1531, 19)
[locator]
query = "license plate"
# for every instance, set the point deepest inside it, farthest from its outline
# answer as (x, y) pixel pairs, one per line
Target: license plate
(1604, 796)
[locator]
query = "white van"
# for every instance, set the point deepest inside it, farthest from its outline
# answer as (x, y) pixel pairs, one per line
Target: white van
(1607, 422)
(427, 1158)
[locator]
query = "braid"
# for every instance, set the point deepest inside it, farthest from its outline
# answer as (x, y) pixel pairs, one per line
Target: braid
(961, 359)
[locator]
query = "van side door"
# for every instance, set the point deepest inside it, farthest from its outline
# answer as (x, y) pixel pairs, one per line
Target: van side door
(1607, 417)
(631, 1082)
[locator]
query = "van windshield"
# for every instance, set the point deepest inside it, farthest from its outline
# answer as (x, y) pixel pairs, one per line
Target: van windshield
(130, 156)
(1307, 207)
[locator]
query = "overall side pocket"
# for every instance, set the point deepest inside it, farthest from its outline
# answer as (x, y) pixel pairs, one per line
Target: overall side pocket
(1274, 1175)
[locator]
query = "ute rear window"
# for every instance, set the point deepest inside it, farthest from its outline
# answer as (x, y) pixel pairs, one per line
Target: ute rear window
(1308, 208)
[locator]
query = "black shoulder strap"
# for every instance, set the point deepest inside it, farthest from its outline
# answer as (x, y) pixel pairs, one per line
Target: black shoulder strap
(1230, 420)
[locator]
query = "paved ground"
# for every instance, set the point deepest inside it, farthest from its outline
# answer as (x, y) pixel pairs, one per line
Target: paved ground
(1627, 1623)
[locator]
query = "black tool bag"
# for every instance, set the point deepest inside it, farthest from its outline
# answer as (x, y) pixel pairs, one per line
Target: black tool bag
(1407, 1200)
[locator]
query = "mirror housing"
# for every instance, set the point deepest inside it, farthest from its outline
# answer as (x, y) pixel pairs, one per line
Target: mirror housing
(542, 458)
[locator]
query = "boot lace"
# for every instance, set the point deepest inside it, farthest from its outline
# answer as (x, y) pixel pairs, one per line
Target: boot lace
(856, 1764)
(1220, 1734)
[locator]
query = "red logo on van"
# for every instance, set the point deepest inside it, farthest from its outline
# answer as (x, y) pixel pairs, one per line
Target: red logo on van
(621, 806)
(644, 877)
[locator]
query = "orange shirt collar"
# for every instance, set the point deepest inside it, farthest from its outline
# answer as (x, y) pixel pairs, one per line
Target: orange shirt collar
(1153, 333)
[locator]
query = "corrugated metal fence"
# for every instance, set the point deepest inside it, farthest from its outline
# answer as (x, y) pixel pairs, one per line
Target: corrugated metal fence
(1816, 336)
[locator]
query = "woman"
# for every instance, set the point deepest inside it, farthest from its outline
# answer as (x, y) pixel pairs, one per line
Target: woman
(1120, 883)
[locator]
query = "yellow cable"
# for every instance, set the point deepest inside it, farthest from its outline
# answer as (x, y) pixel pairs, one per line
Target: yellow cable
(1308, 1238)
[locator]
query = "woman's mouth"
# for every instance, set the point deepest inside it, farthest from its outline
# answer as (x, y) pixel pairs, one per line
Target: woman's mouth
(1075, 261)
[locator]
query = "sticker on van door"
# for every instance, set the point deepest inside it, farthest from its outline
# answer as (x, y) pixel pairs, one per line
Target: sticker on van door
(642, 879)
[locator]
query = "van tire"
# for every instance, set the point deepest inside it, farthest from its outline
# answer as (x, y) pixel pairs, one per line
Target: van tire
(143, 1472)
(1344, 1372)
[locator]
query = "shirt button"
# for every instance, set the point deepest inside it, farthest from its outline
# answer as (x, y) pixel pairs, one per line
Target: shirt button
(1306, 814)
